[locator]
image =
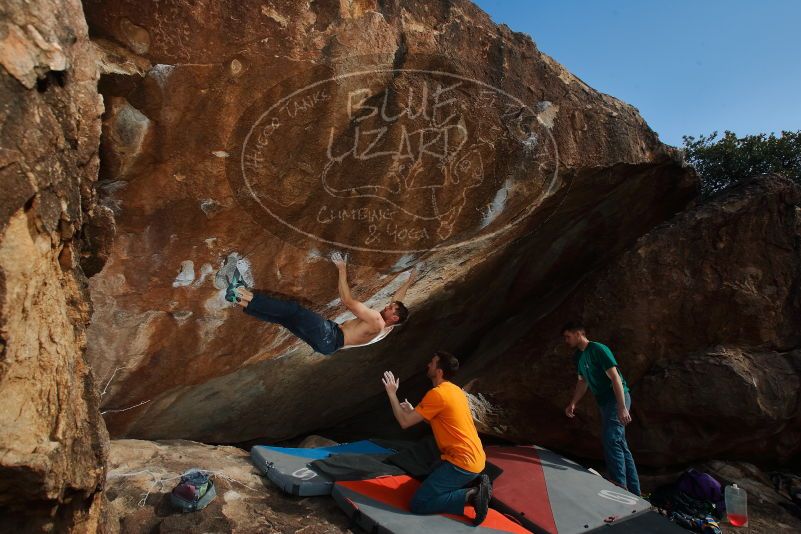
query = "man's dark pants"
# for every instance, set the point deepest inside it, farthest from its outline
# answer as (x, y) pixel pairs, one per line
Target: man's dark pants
(323, 335)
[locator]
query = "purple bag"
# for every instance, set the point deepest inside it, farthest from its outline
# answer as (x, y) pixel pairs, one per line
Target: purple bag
(701, 486)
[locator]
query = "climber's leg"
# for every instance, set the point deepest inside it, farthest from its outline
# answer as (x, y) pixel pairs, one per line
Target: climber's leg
(322, 335)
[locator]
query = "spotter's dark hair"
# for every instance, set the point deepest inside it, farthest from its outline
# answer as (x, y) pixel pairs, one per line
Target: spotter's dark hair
(448, 363)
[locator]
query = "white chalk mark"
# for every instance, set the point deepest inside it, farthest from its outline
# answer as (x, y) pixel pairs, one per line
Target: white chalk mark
(496, 206)
(530, 143)
(187, 274)
(210, 207)
(546, 113)
(205, 270)
(403, 263)
(160, 72)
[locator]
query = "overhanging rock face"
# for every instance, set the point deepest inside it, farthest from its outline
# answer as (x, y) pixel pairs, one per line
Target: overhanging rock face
(268, 135)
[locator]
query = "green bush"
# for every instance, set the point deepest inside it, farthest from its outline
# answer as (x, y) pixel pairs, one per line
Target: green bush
(727, 161)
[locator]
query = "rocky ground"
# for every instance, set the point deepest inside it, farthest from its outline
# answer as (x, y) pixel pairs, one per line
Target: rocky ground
(141, 474)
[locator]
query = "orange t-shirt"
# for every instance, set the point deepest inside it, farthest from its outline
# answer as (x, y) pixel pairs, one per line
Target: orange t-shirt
(446, 408)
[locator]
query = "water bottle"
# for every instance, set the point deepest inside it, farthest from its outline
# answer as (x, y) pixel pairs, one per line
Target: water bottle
(736, 506)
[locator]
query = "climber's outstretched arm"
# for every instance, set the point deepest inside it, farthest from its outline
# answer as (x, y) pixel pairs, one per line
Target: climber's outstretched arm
(400, 294)
(358, 308)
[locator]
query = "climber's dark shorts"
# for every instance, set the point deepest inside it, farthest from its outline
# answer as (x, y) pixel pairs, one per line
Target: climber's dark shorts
(323, 335)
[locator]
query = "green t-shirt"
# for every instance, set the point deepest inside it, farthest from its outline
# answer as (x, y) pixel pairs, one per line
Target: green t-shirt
(592, 364)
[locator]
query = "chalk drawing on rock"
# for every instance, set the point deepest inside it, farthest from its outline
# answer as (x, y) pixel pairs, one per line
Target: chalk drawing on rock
(396, 161)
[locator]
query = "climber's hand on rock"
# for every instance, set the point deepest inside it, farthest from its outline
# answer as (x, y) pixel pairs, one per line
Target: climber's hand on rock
(391, 383)
(339, 260)
(406, 406)
(570, 411)
(244, 294)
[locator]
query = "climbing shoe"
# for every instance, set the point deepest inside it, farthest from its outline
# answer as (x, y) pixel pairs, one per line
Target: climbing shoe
(236, 281)
(482, 500)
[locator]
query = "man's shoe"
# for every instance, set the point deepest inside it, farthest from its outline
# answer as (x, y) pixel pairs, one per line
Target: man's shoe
(482, 499)
(236, 281)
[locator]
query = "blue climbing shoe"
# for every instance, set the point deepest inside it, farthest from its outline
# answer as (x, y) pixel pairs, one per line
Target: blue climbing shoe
(236, 281)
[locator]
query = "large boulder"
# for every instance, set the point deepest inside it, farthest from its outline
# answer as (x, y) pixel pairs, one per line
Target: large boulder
(265, 136)
(703, 314)
(53, 442)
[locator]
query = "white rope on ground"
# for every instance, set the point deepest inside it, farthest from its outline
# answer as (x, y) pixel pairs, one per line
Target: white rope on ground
(157, 482)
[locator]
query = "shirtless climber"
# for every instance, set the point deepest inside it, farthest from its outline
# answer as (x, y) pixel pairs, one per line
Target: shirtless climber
(323, 335)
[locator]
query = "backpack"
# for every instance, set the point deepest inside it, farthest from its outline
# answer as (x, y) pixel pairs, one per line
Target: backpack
(701, 486)
(194, 492)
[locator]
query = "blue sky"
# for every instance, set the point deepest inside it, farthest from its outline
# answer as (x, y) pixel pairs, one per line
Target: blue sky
(690, 67)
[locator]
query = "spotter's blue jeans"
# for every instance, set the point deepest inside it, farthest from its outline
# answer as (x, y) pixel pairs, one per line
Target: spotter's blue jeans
(619, 461)
(443, 491)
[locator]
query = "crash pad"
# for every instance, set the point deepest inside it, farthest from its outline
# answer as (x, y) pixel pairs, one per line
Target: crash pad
(381, 505)
(290, 468)
(549, 494)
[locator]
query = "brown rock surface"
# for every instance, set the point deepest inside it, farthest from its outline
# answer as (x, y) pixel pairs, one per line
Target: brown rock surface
(703, 314)
(52, 439)
(250, 137)
(142, 474)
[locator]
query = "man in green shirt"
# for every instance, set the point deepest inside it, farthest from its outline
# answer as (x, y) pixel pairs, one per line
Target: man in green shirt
(598, 371)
